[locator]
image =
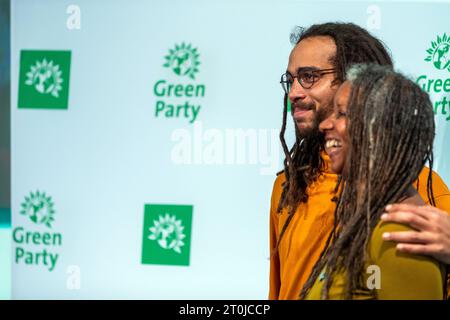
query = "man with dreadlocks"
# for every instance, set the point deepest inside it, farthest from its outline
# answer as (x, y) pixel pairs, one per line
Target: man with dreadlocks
(302, 210)
(378, 137)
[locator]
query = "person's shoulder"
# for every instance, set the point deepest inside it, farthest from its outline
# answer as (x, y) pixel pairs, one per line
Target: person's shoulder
(377, 245)
(279, 180)
(404, 275)
(439, 187)
(437, 181)
(387, 226)
(277, 189)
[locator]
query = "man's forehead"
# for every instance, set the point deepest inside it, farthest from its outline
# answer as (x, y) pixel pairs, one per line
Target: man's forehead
(314, 52)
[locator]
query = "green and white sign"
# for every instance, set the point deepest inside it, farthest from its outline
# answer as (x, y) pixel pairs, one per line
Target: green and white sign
(44, 79)
(180, 100)
(39, 208)
(34, 244)
(183, 60)
(438, 87)
(174, 103)
(439, 53)
(167, 234)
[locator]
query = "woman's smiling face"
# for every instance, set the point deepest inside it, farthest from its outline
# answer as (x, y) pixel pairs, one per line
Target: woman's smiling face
(335, 130)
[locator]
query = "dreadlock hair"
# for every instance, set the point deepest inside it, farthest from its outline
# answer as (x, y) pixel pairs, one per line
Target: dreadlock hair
(303, 163)
(391, 131)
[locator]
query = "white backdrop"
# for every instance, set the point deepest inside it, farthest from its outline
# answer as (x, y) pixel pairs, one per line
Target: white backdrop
(107, 155)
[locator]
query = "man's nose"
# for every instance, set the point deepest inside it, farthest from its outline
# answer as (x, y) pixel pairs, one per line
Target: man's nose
(297, 91)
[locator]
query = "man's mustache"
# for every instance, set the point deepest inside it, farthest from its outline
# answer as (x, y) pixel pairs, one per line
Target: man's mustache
(303, 106)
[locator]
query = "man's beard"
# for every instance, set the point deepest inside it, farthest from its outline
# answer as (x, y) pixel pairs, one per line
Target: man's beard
(312, 131)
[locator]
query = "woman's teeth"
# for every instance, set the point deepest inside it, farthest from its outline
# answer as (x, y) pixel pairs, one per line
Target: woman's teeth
(332, 143)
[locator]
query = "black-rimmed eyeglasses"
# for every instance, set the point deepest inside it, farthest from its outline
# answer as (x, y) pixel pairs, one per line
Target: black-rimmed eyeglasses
(306, 77)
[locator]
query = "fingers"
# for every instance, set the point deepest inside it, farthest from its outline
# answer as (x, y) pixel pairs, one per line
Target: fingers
(408, 237)
(432, 237)
(409, 218)
(425, 212)
(433, 250)
(417, 249)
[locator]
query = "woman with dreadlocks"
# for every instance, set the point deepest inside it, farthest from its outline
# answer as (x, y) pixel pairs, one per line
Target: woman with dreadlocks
(378, 138)
(301, 206)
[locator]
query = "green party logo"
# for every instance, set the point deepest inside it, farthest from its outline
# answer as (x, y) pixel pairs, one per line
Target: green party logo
(183, 60)
(438, 87)
(167, 234)
(439, 53)
(44, 79)
(39, 208)
(178, 95)
(167, 231)
(34, 246)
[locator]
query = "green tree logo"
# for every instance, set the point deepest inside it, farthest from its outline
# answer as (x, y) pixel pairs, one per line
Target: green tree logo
(45, 77)
(183, 60)
(439, 53)
(168, 232)
(166, 237)
(39, 208)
